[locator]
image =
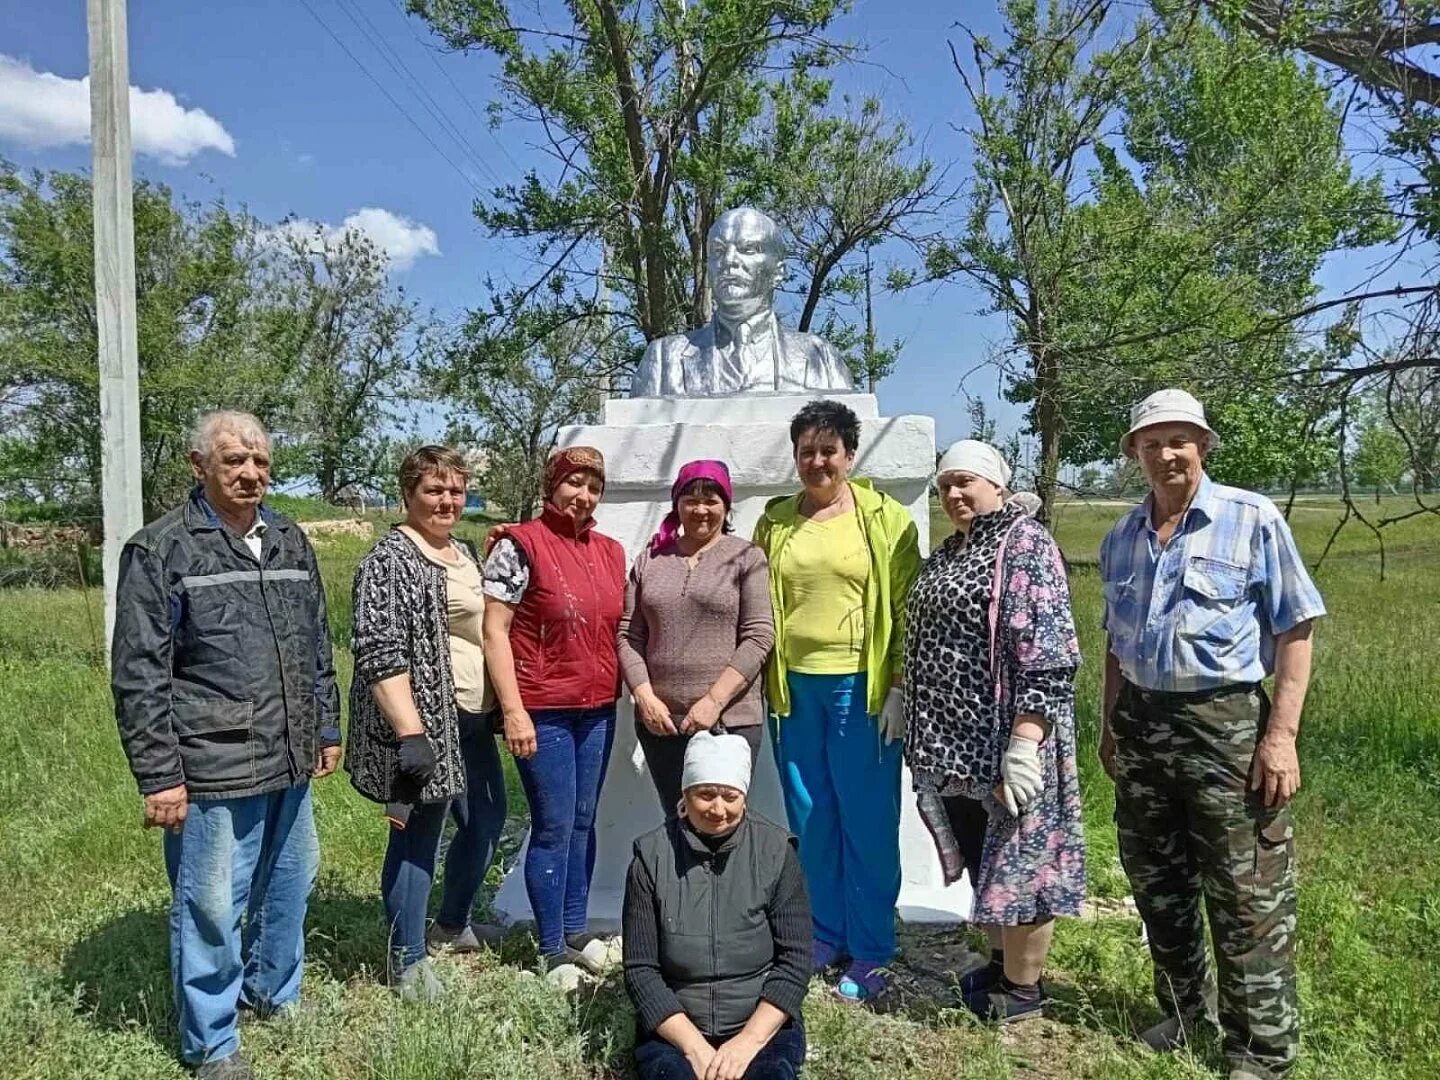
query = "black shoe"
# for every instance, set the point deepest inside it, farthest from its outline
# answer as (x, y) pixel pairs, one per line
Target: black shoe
(1007, 1003)
(233, 1067)
(980, 979)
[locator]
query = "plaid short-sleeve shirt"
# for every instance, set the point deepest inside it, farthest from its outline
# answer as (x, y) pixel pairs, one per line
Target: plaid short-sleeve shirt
(1204, 610)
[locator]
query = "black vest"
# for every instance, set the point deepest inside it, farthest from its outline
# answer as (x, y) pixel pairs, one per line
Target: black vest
(716, 949)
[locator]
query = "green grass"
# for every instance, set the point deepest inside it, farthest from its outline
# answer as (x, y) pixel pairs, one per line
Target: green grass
(84, 991)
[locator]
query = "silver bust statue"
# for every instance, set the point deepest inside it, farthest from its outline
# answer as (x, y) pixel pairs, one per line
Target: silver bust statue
(744, 349)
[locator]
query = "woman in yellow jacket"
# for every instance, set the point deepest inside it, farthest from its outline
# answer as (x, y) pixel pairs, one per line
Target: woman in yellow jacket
(843, 557)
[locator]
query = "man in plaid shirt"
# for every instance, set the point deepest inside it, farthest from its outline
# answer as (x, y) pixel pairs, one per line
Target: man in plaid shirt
(1205, 598)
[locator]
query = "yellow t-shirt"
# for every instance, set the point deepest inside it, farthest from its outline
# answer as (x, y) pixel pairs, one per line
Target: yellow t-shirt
(823, 572)
(465, 610)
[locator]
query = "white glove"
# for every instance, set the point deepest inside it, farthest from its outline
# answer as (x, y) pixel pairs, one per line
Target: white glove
(892, 716)
(1020, 777)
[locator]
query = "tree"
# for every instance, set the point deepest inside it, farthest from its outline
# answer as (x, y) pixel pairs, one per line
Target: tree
(1042, 98)
(1178, 263)
(515, 374)
(354, 338)
(200, 344)
(1385, 50)
(1412, 407)
(1380, 460)
(658, 116)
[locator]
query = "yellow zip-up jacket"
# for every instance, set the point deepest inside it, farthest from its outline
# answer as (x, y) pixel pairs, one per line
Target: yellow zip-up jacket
(894, 545)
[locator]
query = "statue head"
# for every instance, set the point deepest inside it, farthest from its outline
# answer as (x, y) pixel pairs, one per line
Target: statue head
(746, 259)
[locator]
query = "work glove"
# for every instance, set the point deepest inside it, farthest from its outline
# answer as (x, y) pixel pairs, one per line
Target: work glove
(1021, 780)
(417, 760)
(892, 716)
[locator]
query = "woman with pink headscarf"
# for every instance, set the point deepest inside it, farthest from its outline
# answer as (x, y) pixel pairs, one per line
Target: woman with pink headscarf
(697, 628)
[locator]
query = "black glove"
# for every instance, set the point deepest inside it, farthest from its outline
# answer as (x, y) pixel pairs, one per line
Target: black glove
(417, 760)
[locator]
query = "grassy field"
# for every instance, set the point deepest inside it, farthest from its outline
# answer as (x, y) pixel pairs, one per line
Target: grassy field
(84, 990)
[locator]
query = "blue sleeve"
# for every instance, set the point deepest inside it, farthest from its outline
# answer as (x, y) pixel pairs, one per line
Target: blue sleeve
(1288, 596)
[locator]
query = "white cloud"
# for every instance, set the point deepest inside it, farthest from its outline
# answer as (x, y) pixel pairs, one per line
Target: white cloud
(403, 241)
(40, 109)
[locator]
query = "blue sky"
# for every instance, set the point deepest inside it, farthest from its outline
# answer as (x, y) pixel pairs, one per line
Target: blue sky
(270, 111)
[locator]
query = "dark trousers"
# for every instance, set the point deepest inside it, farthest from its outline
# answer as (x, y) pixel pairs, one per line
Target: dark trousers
(782, 1058)
(665, 757)
(1192, 833)
(409, 868)
(562, 784)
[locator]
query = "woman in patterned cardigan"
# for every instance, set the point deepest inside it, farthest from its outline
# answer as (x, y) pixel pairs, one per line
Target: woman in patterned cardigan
(421, 739)
(990, 659)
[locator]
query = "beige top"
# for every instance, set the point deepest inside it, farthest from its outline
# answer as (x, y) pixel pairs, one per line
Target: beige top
(465, 609)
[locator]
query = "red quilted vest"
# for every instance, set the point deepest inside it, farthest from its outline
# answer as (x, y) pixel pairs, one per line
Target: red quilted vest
(563, 634)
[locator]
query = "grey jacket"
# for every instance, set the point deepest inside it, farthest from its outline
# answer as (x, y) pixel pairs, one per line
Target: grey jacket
(401, 626)
(712, 931)
(221, 666)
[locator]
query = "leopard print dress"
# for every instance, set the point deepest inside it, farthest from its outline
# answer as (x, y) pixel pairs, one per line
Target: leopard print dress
(958, 724)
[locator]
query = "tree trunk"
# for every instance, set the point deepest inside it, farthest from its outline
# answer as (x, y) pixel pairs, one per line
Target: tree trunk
(1048, 422)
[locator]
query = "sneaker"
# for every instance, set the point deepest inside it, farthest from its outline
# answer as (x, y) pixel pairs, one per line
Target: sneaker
(470, 938)
(1173, 1033)
(1005, 1003)
(258, 1014)
(233, 1067)
(983, 978)
(419, 983)
(862, 984)
(594, 954)
(563, 969)
(826, 957)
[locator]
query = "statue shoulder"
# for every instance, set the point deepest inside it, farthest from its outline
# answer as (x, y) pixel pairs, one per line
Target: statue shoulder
(824, 367)
(800, 341)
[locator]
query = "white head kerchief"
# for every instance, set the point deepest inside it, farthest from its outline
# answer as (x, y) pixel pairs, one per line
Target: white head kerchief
(979, 458)
(717, 759)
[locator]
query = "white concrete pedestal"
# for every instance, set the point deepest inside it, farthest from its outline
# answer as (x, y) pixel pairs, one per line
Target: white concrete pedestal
(645, 441)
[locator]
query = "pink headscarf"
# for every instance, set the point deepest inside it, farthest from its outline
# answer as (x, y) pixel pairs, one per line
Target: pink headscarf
(705, 469)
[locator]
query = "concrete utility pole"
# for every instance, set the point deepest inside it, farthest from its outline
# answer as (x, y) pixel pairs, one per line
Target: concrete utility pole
(112, 201)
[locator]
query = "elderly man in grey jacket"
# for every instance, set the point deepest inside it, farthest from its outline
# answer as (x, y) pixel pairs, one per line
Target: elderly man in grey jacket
(227, 705)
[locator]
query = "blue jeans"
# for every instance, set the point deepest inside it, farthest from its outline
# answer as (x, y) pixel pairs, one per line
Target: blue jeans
(842, 796)
(250, 860)
(409, 868)
(562, 784)
(781, 1058)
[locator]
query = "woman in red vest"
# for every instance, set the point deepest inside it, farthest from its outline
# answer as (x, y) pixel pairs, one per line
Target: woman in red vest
(554, 591)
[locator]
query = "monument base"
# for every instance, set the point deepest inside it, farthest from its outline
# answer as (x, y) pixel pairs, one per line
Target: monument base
(645, 441)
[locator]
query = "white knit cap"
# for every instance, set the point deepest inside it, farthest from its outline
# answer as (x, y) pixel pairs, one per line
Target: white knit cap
(974, 456)
(716, 759)
(1166, 407)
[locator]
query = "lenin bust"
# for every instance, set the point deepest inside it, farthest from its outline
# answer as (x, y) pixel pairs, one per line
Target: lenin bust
(743, 349)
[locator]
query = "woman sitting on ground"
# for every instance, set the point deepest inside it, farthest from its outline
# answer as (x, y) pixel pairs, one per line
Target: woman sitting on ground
(990, 659)
(697, 628)
(420, 739)
(717, 938)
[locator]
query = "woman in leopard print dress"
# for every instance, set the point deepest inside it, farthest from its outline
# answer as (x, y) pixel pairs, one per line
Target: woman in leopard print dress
(990, 660)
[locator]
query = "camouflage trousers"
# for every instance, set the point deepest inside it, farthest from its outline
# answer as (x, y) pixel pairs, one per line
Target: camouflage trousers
(1191, 832)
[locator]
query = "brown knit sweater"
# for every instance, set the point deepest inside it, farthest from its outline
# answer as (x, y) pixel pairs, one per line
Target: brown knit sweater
(684, 625)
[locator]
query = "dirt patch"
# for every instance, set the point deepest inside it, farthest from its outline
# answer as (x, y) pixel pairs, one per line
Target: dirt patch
(327, 530)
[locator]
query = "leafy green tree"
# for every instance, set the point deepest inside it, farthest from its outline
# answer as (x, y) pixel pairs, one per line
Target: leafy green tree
(200, 344)
(1152, 202)
(353, 339)
(1380, 459)
(658, 116)
(515, 374)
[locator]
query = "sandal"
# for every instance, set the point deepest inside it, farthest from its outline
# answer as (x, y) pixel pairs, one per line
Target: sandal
(862, 984)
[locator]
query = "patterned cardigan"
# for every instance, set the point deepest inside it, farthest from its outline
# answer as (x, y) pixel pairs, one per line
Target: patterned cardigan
(401, 625)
